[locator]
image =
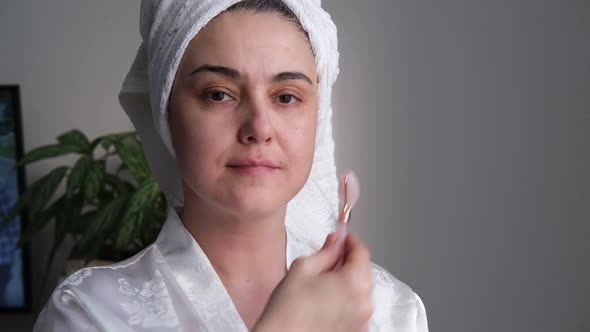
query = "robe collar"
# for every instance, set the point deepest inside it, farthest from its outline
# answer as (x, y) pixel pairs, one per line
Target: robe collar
(196, 282)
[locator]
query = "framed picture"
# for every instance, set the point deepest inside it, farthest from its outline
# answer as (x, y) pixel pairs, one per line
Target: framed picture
(14, 260)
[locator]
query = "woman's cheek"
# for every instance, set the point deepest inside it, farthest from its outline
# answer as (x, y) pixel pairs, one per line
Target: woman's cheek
(301, 143)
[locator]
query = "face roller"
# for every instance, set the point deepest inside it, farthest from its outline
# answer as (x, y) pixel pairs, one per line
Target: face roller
(349, 191)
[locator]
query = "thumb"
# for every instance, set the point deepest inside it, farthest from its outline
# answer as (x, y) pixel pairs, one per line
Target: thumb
(325, 259)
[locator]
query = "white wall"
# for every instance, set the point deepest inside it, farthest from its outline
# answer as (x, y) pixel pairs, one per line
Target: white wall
(469, 125)
(467, 122)
(69, 58)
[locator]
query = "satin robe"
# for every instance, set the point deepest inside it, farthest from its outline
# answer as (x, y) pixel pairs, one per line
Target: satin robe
(172, 286)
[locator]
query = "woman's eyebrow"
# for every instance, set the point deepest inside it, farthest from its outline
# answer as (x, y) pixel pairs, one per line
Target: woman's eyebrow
(236, 75)
(290, 75)
(225, 71)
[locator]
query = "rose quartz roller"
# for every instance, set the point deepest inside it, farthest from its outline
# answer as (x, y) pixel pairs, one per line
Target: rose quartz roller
(349, 191)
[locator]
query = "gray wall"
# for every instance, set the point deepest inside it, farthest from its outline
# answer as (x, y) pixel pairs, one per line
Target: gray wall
(468, 123)
(69, 58)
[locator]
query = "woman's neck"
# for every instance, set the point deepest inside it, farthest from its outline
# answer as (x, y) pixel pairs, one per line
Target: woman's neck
(246, 253)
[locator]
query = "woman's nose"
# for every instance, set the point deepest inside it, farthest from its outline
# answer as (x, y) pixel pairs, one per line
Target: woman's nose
(256, 126)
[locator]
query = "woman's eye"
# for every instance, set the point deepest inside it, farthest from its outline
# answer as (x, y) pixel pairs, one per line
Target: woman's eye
(287, 99)
(217, 96)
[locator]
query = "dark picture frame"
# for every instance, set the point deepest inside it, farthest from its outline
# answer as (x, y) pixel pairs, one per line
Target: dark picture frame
(15, 277)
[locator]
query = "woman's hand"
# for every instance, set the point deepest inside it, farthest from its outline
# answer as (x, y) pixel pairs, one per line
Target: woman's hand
(319, 294)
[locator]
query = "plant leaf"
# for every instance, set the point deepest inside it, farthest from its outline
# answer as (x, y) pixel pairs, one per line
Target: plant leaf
(131, 153)
(152, 226)
(107, 141)
(78, 174)
(118, 184)
(94, 180)
(67, 209)
(67, 213)
(75, 138)
(44, 188)
(105, 196)
(137, 211)
(100, 225)
(46, 151)
(39, 220)
(80, 224)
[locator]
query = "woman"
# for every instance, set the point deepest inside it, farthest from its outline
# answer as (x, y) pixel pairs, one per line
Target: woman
(240, 141)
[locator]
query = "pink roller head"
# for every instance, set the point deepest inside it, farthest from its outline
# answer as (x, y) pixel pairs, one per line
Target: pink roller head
(349, 189)
(353, 189)
(349, 192)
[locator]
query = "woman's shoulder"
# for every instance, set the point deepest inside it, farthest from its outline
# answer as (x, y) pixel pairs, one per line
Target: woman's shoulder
(96, 290)
(390, 288)
(396, 305)
(97, 278)
(91, 286)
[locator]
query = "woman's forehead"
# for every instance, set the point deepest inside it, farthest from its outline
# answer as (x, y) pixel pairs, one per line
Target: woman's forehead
(262, 43)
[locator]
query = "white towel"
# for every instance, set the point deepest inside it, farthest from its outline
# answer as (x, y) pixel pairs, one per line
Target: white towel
(167, 27)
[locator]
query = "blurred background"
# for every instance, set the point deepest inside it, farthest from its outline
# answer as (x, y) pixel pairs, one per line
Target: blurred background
(468, 123)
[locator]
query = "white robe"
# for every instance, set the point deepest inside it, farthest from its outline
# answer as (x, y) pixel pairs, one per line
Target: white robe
(171, 286)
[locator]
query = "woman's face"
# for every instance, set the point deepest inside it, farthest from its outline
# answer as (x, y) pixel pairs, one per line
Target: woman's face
(243, 113)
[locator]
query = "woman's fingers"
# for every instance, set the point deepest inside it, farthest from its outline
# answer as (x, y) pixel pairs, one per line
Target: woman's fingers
(356, 269)
(355, 252)
(316, 296)
(322, 261)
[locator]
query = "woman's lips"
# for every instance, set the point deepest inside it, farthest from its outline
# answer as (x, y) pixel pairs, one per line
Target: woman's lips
(253, 169)
(253, 166)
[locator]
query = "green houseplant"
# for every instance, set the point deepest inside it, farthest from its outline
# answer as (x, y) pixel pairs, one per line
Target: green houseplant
(111, 206)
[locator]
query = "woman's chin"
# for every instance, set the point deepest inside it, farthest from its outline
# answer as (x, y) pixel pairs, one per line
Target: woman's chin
(257, 205)
(255, 198)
